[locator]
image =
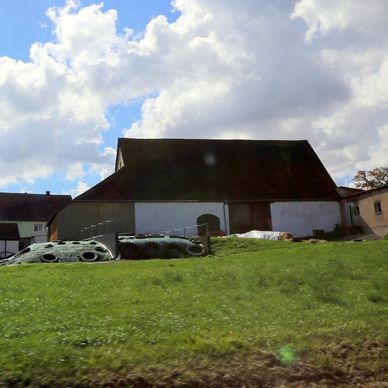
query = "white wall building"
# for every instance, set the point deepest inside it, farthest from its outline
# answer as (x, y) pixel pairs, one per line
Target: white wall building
(303, 218)
(30, 214)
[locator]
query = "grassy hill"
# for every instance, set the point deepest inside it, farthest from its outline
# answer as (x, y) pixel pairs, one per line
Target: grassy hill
(254, 312)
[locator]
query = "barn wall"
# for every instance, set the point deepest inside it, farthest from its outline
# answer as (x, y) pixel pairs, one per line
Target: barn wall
(346, 213)
(53, 228)
(157, 217)
(70, 221)
(301, 218)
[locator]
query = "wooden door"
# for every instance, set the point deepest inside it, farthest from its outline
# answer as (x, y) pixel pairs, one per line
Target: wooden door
(248, 216)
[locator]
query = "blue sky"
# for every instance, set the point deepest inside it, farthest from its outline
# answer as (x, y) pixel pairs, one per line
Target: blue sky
(77, 74)
(23, 23)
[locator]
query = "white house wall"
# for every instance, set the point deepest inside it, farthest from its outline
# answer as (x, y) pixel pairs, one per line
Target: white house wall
(26, 230)
(301, 218)
(156, 217)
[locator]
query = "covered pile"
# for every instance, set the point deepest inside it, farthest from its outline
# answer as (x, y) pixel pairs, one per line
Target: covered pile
(61, 251)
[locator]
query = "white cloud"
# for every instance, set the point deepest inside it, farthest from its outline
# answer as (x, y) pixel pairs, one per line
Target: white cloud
(50, 119)
(347, 21)
(234, 71)
(79, 189)
(255, 69)
(315, 70)
(351, 37)
(75, 171)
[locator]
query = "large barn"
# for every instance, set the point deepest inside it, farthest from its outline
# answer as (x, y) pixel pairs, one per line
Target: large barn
(227, 186)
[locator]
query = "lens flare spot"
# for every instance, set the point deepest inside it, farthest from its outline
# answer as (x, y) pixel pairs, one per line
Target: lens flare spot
(287, 355)
(210, 159)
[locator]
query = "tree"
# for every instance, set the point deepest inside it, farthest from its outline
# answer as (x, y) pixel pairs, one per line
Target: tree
(372, 178)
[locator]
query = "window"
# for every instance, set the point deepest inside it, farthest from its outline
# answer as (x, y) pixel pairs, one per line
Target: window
(38, 227)
(356, 210)
(378, 207)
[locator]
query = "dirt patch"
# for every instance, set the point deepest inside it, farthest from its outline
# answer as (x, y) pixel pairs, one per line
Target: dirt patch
(363, 365)
(341, 365)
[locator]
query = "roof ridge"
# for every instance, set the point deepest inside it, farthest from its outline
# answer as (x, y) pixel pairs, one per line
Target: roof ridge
(211, 139)
(104, 181)
(35, 194)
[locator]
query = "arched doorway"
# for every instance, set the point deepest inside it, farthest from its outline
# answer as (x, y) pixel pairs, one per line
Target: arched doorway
(208, 223)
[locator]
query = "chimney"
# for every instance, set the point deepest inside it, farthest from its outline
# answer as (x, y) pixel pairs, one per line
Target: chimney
(47, 193)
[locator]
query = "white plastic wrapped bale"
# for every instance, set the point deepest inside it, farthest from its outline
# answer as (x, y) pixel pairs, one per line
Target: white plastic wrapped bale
(265, 235)
(61, 251)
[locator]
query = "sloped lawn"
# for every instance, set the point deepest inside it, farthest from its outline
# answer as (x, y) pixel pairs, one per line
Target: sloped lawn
(254, 312)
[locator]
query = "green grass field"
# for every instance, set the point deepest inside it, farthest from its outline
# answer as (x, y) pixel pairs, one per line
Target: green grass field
(74, 322)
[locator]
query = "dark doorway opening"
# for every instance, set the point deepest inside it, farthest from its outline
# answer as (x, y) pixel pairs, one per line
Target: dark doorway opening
(209, 223)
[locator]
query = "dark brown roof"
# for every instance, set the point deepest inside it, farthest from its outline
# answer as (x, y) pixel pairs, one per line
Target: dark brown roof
(345, 192)
(30, 207)
(183, 169)
(370, 191)
(9, 231)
